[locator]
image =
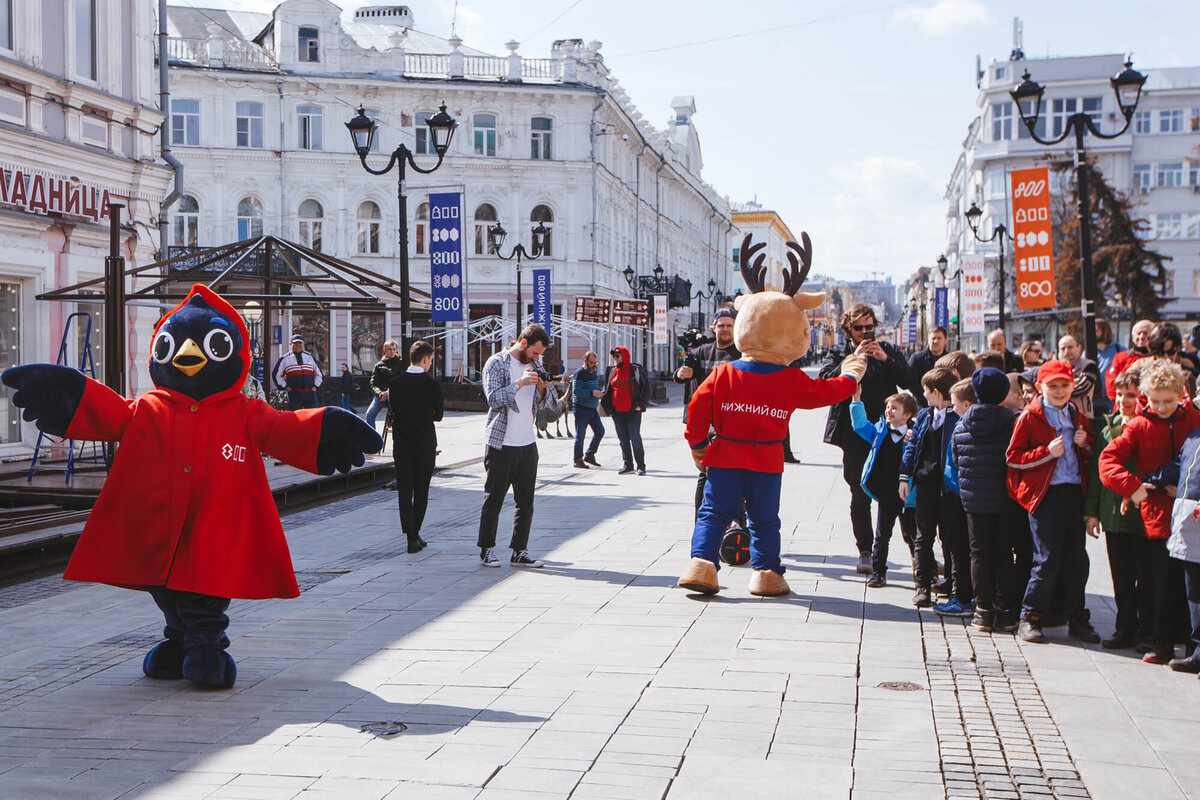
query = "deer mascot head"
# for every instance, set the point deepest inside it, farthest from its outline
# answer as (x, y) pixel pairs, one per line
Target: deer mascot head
(772, 326)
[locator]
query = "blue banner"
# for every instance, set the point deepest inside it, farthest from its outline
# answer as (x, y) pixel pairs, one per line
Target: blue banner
(445, 257)
(912, 328)
(541, 298)
(941, 306)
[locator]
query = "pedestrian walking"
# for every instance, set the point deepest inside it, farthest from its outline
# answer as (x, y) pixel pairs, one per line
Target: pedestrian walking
(416, 403)
(511, 379)
(299, 374)
(381, 375)
(626, 396)
(586, 394)
(347, 388)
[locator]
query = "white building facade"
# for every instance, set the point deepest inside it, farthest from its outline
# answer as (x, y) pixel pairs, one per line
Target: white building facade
(78, 128)
(1156, 162)
(258, 104)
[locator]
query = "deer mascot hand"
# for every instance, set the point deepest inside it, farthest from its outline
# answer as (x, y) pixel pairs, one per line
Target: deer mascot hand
(748, 403)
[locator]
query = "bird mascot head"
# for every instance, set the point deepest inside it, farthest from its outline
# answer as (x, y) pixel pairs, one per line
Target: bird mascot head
(201, 347)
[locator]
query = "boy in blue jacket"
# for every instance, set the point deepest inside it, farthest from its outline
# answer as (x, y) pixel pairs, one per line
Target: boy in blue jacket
(886, 437)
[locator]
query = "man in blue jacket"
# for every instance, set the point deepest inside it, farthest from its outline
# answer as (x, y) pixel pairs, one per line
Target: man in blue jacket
(586, 394)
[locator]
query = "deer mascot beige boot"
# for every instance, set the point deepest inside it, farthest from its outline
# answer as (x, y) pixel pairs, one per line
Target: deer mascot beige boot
(768, 583)
(700, 576)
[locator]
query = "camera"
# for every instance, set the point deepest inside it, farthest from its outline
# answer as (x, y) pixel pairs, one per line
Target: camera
(694, 337)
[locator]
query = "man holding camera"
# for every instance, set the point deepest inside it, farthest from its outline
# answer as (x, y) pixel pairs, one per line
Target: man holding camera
(702, 360)
(887, 373)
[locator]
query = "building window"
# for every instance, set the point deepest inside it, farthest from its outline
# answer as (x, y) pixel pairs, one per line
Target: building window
(185, 224)
(308, 122)
(1061, 109)
(1192, 230)
(366, 339)
(368, 227)
(1170, 120)
(1141, 122)
(1000, 73)
(250, 125)
(85, 38)
(10, 355)
(1195, 120)
(1092, 106)
(424, 143)
(541, 141)
(314, 327)
(311, 216)
(997, 182)
(1002, 119)
(485, 216)
(185, 122)
(1141, 176)
(6, 24)
(310, 45)
(1194, 173)
(249, 219)
(1026, 107)
(544, 215)
(1170, 174)
(485, 134)
(422, 227)
(1168, 226)
(373, 113)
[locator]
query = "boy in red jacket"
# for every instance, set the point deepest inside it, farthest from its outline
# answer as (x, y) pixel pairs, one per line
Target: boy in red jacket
(1152, 440)
(1047, 474)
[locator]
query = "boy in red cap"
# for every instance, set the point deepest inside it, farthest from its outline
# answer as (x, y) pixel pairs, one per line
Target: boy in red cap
(1047, 474)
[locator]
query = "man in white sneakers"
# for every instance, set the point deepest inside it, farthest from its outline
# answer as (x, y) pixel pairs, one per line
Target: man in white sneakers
(511, 379)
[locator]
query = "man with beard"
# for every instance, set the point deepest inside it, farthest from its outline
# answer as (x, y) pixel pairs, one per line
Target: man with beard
(887, 373)
(925, 360)
(1139, 347)
(511, 379)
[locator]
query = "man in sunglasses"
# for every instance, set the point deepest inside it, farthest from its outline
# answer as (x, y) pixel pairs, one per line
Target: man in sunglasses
(887, 373)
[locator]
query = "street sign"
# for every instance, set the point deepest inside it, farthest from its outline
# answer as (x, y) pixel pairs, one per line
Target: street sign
(593, 309)
(445, 257)
(912, 328)
(1032, 240)
(660, 318)
(630, 312)
(973, 284)
(941, 306)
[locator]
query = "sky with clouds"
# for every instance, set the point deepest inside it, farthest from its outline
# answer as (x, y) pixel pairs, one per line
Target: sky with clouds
(846, 118)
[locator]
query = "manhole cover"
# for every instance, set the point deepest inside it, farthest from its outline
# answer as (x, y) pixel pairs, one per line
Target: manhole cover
(901, 686)
(383, 728)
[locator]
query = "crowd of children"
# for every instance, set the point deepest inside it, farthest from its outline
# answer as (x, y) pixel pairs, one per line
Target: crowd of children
(1011, 477)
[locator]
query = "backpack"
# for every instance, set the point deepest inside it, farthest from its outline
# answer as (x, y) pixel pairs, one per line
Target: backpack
(1184, 543)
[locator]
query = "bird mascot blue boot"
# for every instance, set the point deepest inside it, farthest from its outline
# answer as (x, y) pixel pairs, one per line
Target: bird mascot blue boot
(186, 513)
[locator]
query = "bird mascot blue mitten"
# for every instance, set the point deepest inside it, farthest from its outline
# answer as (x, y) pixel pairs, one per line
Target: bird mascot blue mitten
(186, 513)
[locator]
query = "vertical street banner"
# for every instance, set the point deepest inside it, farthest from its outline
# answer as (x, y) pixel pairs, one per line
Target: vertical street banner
(660, 318)
(900, 340)
(1032, 242)
(445, 257)
(973, 294)
(912, 328)
(941, 307)
(541, 299)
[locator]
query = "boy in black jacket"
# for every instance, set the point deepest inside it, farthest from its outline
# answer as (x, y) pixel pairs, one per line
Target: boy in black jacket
(980, 446)
(416, 401)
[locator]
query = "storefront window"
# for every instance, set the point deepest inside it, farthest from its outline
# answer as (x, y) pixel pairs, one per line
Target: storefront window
(314, 327)
(10, 353)
(366, 340)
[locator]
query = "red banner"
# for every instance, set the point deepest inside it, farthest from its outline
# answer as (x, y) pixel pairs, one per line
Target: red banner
(1032, 242)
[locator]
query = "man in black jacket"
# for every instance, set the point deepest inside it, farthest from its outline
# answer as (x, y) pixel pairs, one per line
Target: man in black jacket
(923, 361)
(887, 373)
(416, 401)
(997, 342)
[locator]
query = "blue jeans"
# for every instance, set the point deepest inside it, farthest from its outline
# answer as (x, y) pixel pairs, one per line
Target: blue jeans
(1191, 577)
(629, 433)
(723, 496)
(374, 409)
(1059, 552)
(584, 418)
(346, 404)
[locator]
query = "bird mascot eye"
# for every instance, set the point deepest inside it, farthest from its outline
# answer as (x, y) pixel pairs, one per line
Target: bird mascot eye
(218, 345)
(164, 347)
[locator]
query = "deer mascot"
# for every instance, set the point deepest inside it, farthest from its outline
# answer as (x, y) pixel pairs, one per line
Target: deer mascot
(747, 404)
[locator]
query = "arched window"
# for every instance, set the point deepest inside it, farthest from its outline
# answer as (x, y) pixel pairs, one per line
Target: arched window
(485, 134)
(309, 45)
(368, 227)
(485, 216)
(544, 215)
(249, 219)
(185, 225)
(311, 219)
(541, 138)
(422, 227)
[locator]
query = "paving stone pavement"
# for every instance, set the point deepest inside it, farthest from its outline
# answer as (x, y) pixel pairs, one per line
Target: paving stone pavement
(590, 678)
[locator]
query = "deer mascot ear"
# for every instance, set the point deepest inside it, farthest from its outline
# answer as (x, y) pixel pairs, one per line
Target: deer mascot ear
(809, 300)
(740, 301)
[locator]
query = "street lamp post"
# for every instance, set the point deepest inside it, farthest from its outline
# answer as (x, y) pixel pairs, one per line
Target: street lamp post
(942, 264)
(699, 297)
(362, 132)
(1127, 86)
(999, 232)
(496, 234)
(639, 291)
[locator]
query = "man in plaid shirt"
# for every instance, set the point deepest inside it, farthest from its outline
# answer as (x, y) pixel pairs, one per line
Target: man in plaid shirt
(511, 383)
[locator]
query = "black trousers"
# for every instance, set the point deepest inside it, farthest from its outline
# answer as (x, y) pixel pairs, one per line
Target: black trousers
(193, 620)
(1191, 574)
(854, 455)
(956, 541)
(1059, 552)
(991, 545)
(505, 467)
(414, 462)
(890, 508)
(1131, 582)
(936, 511)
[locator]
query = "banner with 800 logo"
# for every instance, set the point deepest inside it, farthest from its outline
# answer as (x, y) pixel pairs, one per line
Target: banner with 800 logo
(445, 257)
(1032, 241)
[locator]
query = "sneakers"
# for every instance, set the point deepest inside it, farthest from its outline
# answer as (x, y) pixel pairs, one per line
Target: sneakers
(521, 558)
(579, 464)
(1190, 664)
(983, 620)
(641, 471)
(1160, 655)
(1004, 620)
(590, 458)
(626, 470)
(1081, 628)
(921, 598)
(876, 581)
(1030, 630)
(954, 608)
(864, 564)
(943, 587)
(1120, 640)
(488, 556)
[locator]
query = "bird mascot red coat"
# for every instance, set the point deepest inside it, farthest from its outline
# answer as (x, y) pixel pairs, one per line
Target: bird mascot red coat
(738, 419)
(186, 512)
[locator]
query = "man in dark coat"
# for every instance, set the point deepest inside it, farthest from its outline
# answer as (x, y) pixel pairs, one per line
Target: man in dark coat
(997, 342)
(923, 361)
(416, 401)
(887, 373)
